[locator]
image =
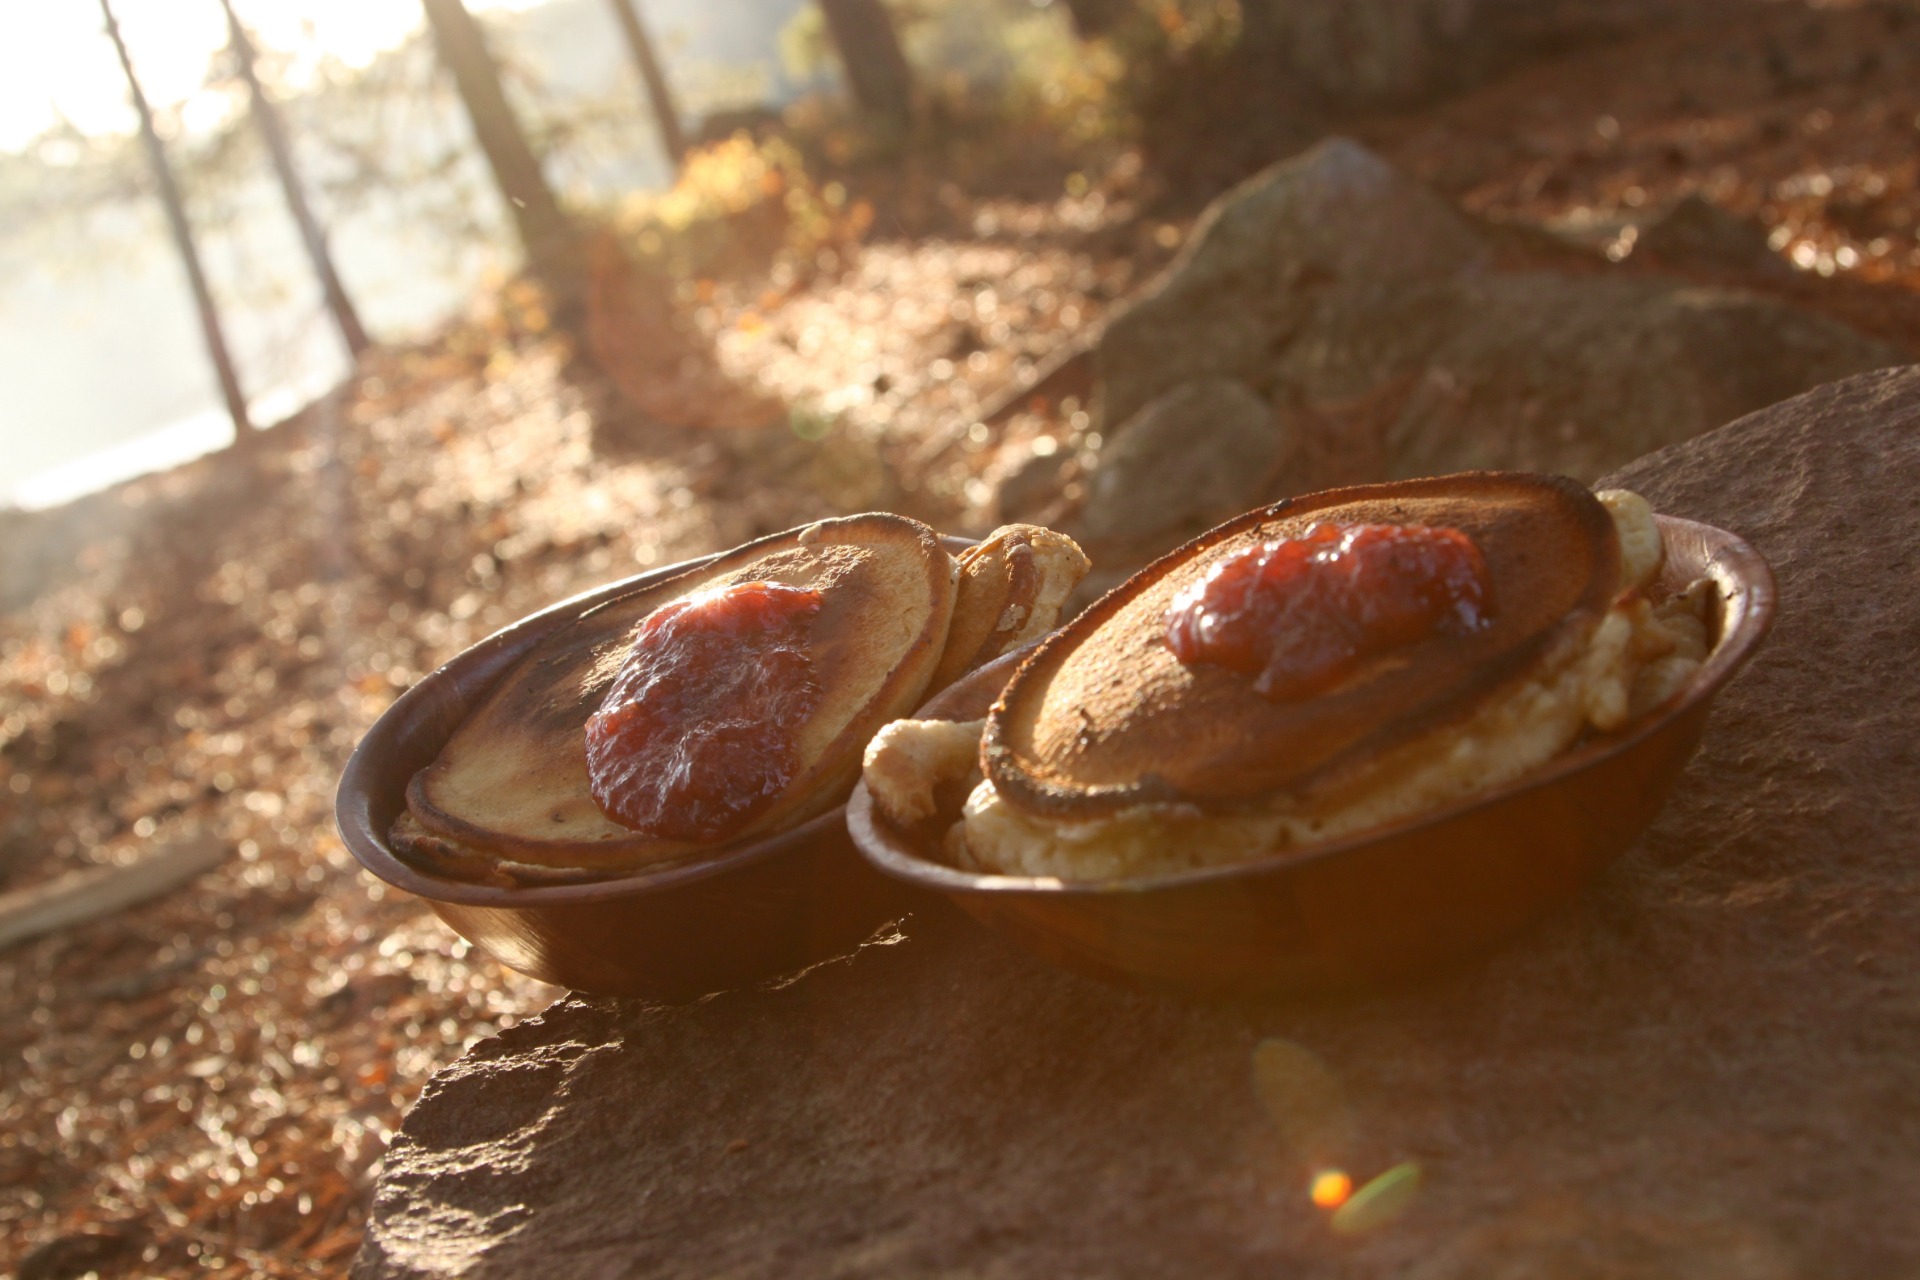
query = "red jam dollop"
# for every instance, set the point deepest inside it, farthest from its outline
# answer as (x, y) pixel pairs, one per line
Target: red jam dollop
(696, 735)
(1300, 614)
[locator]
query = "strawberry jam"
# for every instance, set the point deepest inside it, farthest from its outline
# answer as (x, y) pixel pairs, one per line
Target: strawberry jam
(1300, 614)
(696, 735)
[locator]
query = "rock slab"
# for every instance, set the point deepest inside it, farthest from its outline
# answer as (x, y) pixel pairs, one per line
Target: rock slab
(1708, 1066)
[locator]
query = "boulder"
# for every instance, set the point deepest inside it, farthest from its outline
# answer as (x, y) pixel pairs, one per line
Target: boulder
(1190, 458)
(1365, 307)
(1030, 488)
(1251, 278)
(1570, 375)
(1705, 1066)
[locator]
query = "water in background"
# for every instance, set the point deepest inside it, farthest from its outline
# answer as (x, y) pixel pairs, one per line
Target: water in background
(103, 375)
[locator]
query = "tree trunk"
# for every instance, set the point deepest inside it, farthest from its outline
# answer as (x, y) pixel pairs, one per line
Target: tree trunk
(546, 234)
(339, 305)
(876, 70)
(666, 116)
(169, 192)
(1093, 18)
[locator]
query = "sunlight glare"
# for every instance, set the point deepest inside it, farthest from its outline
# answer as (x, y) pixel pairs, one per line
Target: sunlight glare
(1330, 1189)
(1304, 1099)
(55, 60)
(1379, 1202)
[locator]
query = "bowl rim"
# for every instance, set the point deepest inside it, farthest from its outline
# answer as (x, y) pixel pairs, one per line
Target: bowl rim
(361, 778)
(1752, 600)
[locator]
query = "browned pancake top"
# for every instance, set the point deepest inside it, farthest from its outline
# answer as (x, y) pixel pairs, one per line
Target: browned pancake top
(513, 779)
(1103, 716)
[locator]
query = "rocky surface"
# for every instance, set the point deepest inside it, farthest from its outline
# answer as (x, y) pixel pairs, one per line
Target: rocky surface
(1705, 1067)
(1204, 446)
(1260, 262)
(1363, 306)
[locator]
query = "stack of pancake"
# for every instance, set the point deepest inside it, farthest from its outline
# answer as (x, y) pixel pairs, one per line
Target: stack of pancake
(1107, 757)
(509, 799)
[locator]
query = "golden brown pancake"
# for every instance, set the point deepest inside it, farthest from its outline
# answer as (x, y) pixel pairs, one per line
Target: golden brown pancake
(1012, 587)
(512, 782)
(1103, 717)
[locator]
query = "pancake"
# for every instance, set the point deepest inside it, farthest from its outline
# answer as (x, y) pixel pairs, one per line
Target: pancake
(1103, 718)
(1012, 588)
(512, 783)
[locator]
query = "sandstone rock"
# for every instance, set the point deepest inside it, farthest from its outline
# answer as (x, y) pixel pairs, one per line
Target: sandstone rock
(1345, 292)
(1550, 373)
(1256, 266)
(1193, 456)
(1705, 1067)
(1032, 486)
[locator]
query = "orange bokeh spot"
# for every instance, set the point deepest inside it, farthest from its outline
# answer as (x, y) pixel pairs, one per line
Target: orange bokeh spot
(1331, 1189)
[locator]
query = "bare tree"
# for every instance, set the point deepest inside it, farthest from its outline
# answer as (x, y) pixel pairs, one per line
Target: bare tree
(339, 305)
(666, 116)
(546, 234)
(169, 192)
(1092, 18)
(876, 69)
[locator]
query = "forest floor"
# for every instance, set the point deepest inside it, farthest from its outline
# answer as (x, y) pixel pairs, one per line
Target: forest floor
(206, 1083)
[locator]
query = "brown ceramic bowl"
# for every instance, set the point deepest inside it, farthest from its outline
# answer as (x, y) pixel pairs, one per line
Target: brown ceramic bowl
(750, 911)
(1360, 911)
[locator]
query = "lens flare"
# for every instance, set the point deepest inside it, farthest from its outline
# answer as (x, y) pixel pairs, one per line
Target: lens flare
(1305, 1101)
(1330, 1189)
(1379, 1202)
